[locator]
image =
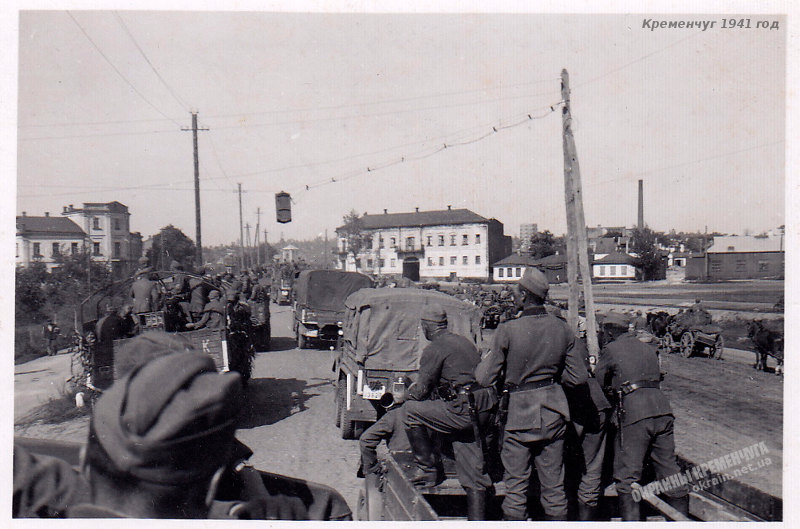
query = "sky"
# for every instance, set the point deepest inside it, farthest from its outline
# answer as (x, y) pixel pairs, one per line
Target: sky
(359, 108)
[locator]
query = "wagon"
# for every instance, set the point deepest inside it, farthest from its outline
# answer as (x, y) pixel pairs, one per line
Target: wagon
(693, 339)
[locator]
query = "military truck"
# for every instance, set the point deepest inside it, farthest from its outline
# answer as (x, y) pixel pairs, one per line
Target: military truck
(380, 348)
(319, 304)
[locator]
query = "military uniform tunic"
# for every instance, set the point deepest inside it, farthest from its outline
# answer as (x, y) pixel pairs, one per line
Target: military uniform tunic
(647, 422)
(451, 359)
(535, 348)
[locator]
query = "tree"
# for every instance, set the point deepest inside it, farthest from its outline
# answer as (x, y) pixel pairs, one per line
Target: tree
(353, 233)
(649, 260)
(29, 297)
(545, 243)
(176, 247)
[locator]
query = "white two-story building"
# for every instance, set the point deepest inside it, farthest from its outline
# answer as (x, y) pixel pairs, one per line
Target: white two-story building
(46, 239)
(451, 243)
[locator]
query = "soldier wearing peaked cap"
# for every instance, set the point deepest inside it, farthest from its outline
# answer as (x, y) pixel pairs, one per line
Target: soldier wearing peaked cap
(538, 353)
(630, 368)
(446, 370)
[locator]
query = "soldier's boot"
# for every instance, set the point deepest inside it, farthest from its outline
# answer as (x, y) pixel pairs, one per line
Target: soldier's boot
(426, 474)
(586, 513)
(628, 508)
(681, 504)
(476, 504)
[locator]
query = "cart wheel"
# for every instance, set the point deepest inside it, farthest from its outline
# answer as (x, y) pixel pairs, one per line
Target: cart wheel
(687, 344)
(669, 343)
(719, 346)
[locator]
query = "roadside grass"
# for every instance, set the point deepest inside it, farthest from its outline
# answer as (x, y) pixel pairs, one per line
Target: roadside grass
(57, 410)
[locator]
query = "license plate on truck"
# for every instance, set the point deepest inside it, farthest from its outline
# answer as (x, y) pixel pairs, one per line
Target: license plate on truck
(373, 394)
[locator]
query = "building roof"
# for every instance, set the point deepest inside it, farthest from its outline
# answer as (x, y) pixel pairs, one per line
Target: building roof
(744, 243)
(615, 258)
(111, 207)
(516, 260)
(290, 247)
(48, 226)
(421, 218)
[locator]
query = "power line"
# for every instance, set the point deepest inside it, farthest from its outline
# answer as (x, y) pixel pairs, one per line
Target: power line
(96, 47)
(144, 55)
(97, 135)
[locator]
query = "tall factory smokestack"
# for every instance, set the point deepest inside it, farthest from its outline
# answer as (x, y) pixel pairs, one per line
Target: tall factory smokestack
(640, 224)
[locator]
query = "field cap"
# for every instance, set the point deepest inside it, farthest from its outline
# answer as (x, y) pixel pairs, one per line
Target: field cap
(534, 281)
(434, 313)
(170, 421)
(616, 320)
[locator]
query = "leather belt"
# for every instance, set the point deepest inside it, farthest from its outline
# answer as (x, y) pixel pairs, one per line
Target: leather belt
(630, 387)
(513, 388)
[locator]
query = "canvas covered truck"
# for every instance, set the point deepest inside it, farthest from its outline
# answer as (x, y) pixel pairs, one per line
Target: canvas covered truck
(380, 348)
(319, 304)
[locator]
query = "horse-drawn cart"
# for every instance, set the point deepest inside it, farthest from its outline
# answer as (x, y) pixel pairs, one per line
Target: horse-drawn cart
(692, 332)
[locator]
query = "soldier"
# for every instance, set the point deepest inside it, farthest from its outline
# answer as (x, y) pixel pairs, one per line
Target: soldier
(51, 332)
(144, 292)
(447, 365)
(644, 418)
(197, 297)
(539, 353)
(213, 313)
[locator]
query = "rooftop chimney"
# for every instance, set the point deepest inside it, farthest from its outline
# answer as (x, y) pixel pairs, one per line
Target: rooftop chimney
(449, 207)
(65, 209)
(416, 209)
(385, 211)
(46, 213)
(70, 206)
(24, 213)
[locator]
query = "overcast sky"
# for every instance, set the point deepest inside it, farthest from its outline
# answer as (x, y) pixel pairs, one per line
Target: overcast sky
(302, 99)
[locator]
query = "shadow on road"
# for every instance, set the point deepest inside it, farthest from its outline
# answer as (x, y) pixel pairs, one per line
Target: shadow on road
(270, 400)
(281, 343)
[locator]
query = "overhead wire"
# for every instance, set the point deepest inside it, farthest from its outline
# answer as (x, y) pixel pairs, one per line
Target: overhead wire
(122, 76)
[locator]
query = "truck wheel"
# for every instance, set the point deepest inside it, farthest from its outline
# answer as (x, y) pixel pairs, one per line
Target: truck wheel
(341, 401)
(302, 343)
(348, 426)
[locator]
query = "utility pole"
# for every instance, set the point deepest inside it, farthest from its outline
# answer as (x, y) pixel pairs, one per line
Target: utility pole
(326, 250)
(255, 242)
(197, 230)
(574, 202)
(241, 231)
(249, 246)
(266, 261)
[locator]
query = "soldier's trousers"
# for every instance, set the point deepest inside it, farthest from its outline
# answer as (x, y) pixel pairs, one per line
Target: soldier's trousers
(653, 435)
(453, 419)
(593, 446)
(543, 449)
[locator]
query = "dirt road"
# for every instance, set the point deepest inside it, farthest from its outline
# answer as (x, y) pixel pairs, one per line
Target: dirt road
(720, 406)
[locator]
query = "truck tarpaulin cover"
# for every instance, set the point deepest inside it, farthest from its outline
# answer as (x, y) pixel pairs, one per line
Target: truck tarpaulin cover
(382, 327)
(327, 289)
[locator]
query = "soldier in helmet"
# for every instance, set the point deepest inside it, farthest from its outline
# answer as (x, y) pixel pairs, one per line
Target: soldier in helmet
(539, 353)
(644, 418)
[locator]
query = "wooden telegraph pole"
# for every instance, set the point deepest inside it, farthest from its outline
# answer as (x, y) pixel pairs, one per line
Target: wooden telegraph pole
(576, 228)
(197, 229)
(241, 231)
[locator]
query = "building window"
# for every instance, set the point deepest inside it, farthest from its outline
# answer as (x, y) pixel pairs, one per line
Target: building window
(715, 266)
(95, 223)
(500, 272)
(731, 248)
(381, 262)
(429, 240)
(441, 240)
(116, 225)
(763, 266)
(465, 260)
(369, 263)
(37, 249)
(380, 242)
(430, 261)
(741, 264)
(452, 240)
(612, 270)
(464, 240)
(74, 248)
(117, 249)
(394, 262)
(56, 249)
(96, 248)
(441, 261)
(409, 243)
(393, 242)
(453, 259)
(478, 259)
(623, 270)
(518, 272)
(477, 238)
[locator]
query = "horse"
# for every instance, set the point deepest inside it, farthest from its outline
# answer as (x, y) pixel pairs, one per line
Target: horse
(766, 342)
(658, 322)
